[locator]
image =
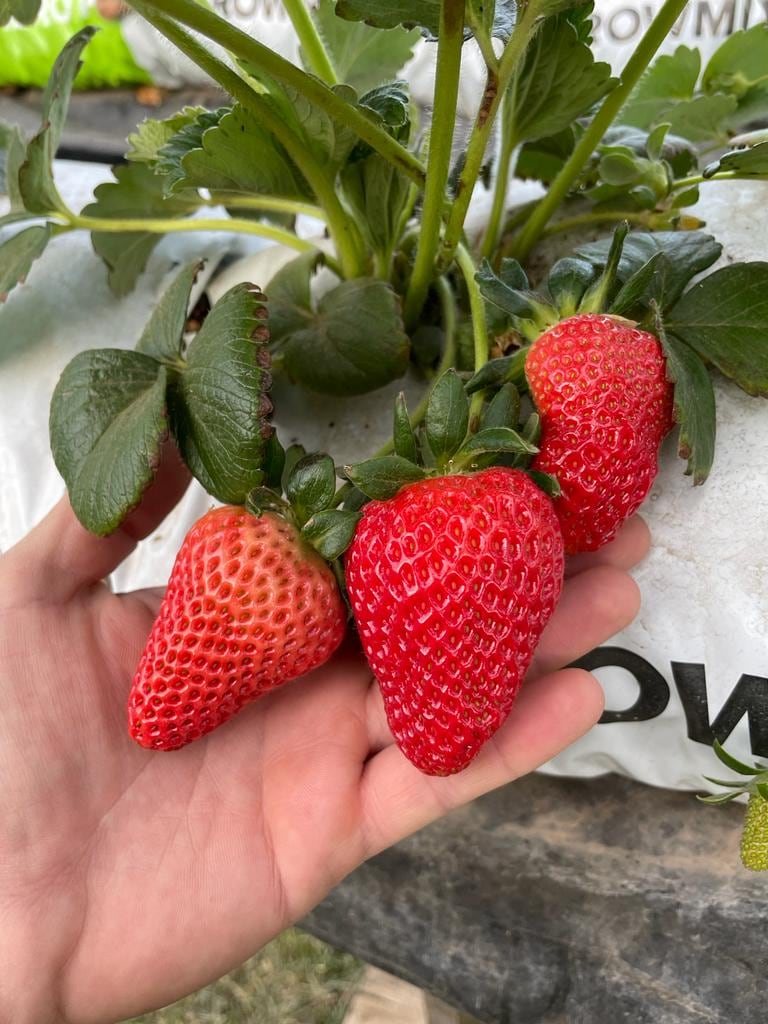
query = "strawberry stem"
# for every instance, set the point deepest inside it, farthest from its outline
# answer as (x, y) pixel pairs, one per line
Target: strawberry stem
(479, 328)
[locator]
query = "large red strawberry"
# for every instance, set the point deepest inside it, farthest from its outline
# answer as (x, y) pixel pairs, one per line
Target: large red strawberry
(452, 582)
(249, 606)
(600, 386)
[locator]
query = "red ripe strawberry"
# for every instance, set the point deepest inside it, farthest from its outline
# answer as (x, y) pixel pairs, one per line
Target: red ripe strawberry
(600, 386)
(248, 607)
(452, 582)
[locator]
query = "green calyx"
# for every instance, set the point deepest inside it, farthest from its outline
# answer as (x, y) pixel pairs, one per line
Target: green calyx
(302, 489)
(754, 783)
(448, 441)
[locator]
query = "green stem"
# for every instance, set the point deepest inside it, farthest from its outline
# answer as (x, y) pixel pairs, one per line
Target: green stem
(495, 87)
(657, 32)
(238, 43)
(170, 225)
(451, 40)
(479, 327)
(501, 185)
(314, 51)
(236, 200)
(586, 219)
(345, 236)
(699, 179)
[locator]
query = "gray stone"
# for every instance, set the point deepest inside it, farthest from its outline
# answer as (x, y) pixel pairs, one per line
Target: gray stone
(567, 902)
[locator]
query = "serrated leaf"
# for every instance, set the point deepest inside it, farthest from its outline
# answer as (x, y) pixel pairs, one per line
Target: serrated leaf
(381, 478)
(687, 254)
(742, 162)
(503, 409)
(495, 439)
(558, 81)
(219, 404)
(671, 78)
(330, 532)
(447, 418)
(423, 14)
(230, 151)
(36, 185)
(329, 141)
(311, 485)
(162, 336)
(108, 421)
(18, 254)
(733, 763)
(694, 405)
(23, 11)
(152, 134)
(352, 343)
(499, 371)
(702, 119)
(402, 433)
(725, 319)
(739, 63)
(136, 192)
(362, 56)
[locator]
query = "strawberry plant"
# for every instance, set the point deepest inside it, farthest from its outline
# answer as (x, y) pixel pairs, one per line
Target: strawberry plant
(552, 364)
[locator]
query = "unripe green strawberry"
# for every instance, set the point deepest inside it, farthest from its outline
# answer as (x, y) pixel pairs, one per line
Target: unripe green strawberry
(754, 838)
(600, 387)
(452, 582)
(248, 606)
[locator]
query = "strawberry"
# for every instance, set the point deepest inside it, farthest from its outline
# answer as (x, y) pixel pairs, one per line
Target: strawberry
(452, 582)
(601, 389)
(248, 606)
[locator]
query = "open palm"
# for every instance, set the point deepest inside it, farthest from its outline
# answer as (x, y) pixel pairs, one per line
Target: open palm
(129, 878)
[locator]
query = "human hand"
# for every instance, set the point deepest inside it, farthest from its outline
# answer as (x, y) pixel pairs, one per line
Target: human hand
(129, 878)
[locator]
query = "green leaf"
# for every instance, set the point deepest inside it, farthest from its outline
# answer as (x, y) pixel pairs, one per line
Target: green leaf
(219, 403)
(311, 485)
(24, 11)
(108, 422)
(330, 532)
(503, 409)
(687, 254)
(18, 254)
(495, 439)
(381, 478)
(425, 14)
(328, 140)
(671, 78)
(352, 343)
(151, 135)
(136, 192)
(544, 159)
(546, 482)
(12, 155)
(743, 162)
(718, 798)
(702, 119)
(274, 462)
(568, 280)
(694, 405)
(294, 453)
(264, 499)
(558, 81)
(517, 303)
(447, 417)
(636, 287)
(404, 438)
(725, 319)
(497, 372)
(731, 762)
(230, 151)
(36, 183)
(162, 336)
(362, 56)
(739, 64)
